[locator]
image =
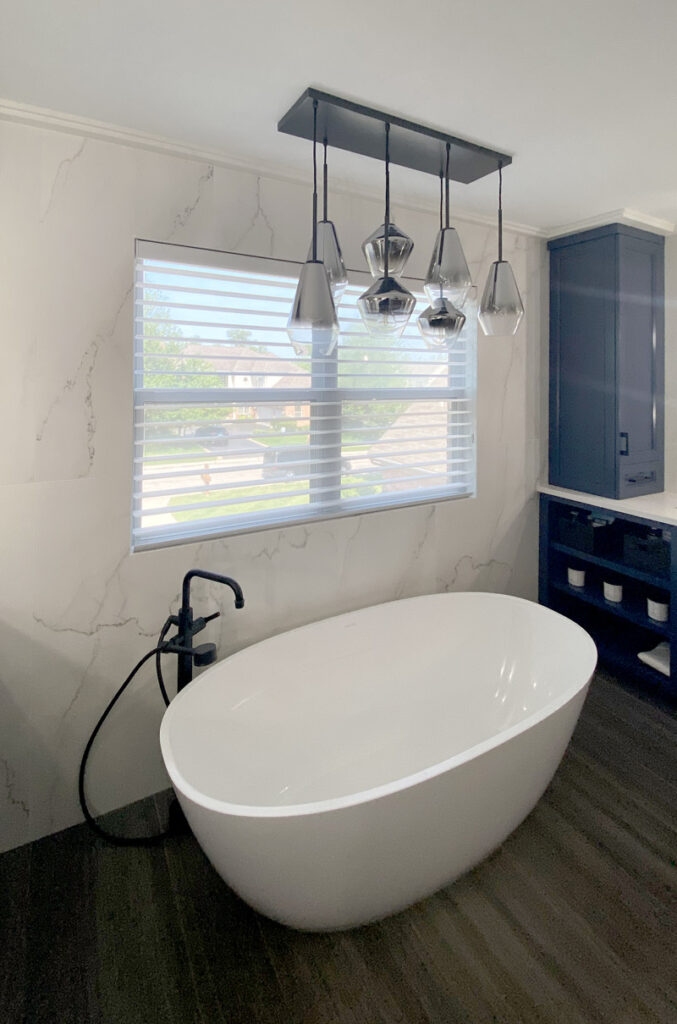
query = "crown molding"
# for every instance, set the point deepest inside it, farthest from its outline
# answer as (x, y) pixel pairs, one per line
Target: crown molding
(632, 218)
(52, 120)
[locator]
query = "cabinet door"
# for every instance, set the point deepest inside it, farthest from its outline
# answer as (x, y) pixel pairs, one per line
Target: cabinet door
(582, 366)
(640, 367)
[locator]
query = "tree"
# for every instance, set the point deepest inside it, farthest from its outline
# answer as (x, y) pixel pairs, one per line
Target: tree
(166, 366)
(381, 366)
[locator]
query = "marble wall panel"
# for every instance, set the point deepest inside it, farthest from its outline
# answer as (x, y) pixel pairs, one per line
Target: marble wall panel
(76, 608)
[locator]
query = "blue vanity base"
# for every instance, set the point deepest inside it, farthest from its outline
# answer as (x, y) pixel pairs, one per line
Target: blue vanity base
(618, 548)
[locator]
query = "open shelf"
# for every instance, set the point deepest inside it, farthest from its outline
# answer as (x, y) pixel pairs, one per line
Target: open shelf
(652, 579)
(629, 608)
(617, 643)
(623, 660)
(620, 629)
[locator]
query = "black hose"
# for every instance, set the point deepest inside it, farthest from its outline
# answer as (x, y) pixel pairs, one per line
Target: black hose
(89, 818)
(158, 661)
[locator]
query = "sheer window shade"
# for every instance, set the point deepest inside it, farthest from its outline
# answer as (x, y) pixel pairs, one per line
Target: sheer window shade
(234, 431)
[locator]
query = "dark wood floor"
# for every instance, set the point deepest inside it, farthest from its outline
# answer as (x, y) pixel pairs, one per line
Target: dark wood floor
(573, 920)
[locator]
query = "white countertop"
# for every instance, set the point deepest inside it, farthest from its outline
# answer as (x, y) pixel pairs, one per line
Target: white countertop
(660, 507)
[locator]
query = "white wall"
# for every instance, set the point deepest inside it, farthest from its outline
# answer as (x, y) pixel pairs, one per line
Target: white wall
(76, 609)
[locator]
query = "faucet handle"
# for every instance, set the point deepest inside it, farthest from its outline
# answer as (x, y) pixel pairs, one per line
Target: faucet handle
(204, 654)
(199, 624)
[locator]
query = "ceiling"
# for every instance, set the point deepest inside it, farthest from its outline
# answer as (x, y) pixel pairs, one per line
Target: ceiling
(582, 93)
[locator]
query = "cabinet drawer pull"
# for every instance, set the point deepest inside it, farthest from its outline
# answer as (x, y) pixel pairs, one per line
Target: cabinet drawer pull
(625, 438)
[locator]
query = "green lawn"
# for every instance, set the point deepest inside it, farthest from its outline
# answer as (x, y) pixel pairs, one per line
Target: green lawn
(257, 492)
(284, 441)
(281, 440)
(185, 448)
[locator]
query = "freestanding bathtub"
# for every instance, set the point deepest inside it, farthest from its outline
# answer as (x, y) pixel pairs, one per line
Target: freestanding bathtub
(341, 771)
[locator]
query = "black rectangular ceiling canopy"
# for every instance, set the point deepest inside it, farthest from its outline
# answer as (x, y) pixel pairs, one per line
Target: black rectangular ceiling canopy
(359, 129)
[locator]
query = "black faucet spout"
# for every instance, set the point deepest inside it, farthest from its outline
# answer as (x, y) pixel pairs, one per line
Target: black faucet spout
(213, 577)
(188, 627)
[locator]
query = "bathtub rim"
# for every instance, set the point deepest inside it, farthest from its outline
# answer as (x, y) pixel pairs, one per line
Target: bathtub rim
(331, 804)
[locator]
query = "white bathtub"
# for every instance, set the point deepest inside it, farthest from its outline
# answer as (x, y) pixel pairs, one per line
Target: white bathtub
(341, 771)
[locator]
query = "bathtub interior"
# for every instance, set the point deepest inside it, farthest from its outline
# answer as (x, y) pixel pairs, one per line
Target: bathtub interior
(358, 701)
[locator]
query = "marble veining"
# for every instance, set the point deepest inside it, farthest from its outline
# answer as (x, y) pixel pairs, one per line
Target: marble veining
(181, 219)
(259, 215)
(82, 378)
(81, 609)
(62, 172)
(467, 567)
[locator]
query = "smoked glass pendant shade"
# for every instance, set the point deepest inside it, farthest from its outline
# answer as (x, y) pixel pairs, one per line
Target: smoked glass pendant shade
(313, 325)
(448, 273)
(329, 253)
(386, 307)
(501, 309)
(399, 250)
(441, 323)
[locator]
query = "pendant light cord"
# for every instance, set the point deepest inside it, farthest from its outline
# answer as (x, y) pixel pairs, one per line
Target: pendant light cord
(441, 200)
(500, 212)
(314, 181)
(446, 187)
(444, 198)
(441, 236)
(325, 173)
(386, 243)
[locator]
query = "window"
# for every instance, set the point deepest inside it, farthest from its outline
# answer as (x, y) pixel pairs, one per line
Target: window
(235, 431)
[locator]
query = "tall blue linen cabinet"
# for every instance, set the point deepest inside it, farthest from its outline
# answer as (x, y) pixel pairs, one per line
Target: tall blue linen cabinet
(607, 361)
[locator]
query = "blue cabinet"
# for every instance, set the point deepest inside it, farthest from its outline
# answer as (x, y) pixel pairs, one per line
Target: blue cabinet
(607, 361)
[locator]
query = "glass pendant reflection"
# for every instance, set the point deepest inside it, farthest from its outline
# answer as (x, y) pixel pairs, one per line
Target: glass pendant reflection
(313, 325)
(329, 253)
(399, 250)
(448, 272)
(441, 323)
(501, 308)
(386, 307)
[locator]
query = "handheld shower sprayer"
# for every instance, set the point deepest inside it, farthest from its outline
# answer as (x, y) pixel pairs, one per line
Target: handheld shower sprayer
(188, 656)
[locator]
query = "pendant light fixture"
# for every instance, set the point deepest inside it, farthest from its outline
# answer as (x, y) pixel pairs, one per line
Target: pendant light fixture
(328, 248)
(501, 309)
(441, 323)
(387, 305)
(400, 246)
(313, 324)
(448, 268)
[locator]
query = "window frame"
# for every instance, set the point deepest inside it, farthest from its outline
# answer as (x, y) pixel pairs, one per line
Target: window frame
(324, 392)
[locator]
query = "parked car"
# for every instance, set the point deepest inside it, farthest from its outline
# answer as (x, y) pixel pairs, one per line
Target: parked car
(281, 463)
(293, 461)
(212, 436)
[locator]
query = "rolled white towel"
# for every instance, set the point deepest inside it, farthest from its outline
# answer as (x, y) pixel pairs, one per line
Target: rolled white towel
(658, 658)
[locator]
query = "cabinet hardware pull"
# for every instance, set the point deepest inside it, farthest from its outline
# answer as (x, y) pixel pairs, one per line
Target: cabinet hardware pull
(625, 437)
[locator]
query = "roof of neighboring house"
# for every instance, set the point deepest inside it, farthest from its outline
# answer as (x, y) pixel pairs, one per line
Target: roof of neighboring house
(244, 360)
